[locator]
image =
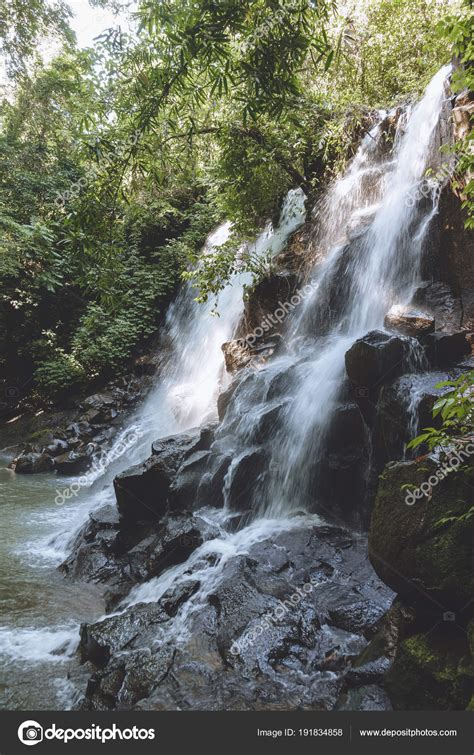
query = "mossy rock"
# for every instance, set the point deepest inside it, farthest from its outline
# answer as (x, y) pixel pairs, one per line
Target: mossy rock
(432, 671)
(423, 561)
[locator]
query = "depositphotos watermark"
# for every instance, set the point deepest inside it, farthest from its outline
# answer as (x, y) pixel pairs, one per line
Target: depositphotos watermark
(284, 606)
(453, 462)
(280, 313)
(99, 464)
(32, 733)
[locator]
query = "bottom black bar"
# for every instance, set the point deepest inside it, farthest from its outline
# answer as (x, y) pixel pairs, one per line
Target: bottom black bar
(214, 733)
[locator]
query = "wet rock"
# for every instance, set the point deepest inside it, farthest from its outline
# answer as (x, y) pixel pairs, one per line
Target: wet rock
(369, 697)
(98, 641)
(211, 485)
(267, 422)
(128, 680)
(376, 358)
(258, 640)
(174, 598)
(361, 616)
(142, 491)
(76, 461)
(98, 401)
(267, 306)
(415, 554)
(184, 489)
(409, 322)
(341, 476)
(437, 298)
(32, 463)
(56, 447)
(247, 474)
(446, 349)
(372, 672)
(173, 544)
(236, 355)
(97, 555)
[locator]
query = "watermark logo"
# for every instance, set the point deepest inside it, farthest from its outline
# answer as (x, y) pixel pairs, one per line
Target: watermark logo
(453, 462)
(30, 733)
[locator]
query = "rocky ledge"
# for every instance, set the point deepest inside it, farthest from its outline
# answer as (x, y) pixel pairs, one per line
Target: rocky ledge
(278, 627)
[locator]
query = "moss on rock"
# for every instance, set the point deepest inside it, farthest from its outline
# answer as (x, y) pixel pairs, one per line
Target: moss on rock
(420, 559)
(431, 671)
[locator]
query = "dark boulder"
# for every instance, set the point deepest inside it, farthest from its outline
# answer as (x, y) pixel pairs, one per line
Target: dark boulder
(369, 697)
(32, 463)
(183, 493)
(342, 473)
(446, 349)
(261, 639)
(98, 641)
(376, 358)
(76, 461)
(142, 491)
(211, 485)
(173, 544)
(437, 299)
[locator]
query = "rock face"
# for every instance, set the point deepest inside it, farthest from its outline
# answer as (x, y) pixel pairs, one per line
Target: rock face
(236, 355)
(144, 492)
(410, 547)
(375, 358)
(277, 628)
(268, 306)
(409, 322)
(342, 476)
(446, 349)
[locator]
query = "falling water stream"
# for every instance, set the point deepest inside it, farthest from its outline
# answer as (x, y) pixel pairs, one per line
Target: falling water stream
(368, 239)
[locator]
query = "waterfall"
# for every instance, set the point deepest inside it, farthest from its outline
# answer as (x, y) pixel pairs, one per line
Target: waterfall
(370, 237)
(367, 241)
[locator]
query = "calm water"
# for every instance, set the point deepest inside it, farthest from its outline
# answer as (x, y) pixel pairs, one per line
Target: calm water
(40, 612)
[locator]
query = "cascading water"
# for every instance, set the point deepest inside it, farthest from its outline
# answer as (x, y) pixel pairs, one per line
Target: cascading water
(42, 639)
(359, 279)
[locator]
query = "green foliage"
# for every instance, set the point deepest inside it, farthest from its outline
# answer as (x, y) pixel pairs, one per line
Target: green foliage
(455, 408)
(458, 29)
(23, 24)
(117, 161)
(389, 49)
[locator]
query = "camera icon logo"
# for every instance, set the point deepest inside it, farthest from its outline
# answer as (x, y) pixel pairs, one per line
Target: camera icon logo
(30, 733)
